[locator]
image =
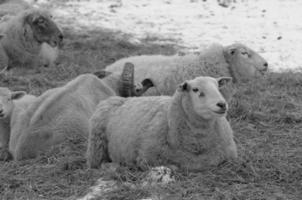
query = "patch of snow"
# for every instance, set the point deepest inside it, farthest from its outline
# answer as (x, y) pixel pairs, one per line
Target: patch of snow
(158, 176)
(101, 188)
(271, 27)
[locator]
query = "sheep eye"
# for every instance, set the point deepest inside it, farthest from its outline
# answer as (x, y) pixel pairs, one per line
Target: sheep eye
(195, 89)
(244, 53)
(201, 94)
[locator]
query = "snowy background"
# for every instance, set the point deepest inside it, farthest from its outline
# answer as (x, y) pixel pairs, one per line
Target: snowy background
(270, 27)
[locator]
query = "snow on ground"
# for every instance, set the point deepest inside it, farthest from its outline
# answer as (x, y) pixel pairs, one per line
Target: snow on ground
(157, 176)
(270, 27)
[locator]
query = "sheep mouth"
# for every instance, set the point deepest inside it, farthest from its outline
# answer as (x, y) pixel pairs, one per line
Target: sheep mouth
(2, 115)
(262, 71)
(220, 112)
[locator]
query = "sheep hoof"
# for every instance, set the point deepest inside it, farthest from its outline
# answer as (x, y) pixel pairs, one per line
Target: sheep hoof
(5, 155)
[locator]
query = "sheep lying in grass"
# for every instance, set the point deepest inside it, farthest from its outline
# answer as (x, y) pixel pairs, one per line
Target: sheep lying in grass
(237, 61)
(65, 111)
(188, 130)
(11, 105)
(29, 39)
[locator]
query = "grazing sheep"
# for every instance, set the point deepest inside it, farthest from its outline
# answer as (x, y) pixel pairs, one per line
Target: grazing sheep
(29, 39)
(188, 130)
(237, 61)
(62, 112)
(11, 106)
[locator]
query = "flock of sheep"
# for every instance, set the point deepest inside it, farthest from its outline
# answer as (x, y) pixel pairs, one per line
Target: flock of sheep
(180, 120)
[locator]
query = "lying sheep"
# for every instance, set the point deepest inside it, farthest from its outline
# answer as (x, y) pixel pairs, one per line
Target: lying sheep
(237, 61)
(65, 111)
(188, 130)
(29, 39)
(11, 106)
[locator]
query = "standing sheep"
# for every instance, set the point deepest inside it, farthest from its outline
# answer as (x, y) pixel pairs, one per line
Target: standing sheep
(237, 61)
(29, 39)
(188, 130)
(11, 106)
(65, 111)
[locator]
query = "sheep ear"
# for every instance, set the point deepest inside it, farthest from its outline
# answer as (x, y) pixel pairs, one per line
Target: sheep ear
(184, 86)
(232, 50)
(223, 81)
(102, 74)
(30, 18)
(147, 83)
(17, 95)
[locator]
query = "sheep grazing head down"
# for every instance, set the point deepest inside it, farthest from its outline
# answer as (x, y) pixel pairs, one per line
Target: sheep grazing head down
(244, 62)
(204, 97)
(43, 28)
(6, 101)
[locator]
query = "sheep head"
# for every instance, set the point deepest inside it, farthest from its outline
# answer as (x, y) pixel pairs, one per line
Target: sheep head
(203, 96)
(6, 101)
(42, 27)
(245, 64)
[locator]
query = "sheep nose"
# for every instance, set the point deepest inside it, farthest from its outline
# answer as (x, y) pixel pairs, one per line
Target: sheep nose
(61, 37)
(265, 65)
(221, 105)
(1, 112)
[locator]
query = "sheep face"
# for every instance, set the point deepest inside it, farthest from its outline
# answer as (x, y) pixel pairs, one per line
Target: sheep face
(44, 28)
(244, 62)
(204, 96)
(141, 88)
(6, 101)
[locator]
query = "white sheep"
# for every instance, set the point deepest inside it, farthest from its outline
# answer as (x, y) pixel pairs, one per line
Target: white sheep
(12, 104)
(237, 61)
(65, 111)
(188, 130)
(30, 38)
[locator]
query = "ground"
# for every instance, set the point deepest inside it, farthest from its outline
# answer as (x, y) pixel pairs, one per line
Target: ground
(266, 115)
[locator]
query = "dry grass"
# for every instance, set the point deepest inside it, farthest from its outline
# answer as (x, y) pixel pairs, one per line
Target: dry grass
(266, 117)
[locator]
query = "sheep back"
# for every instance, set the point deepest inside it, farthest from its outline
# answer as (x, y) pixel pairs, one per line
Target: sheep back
(135, 128)
(57, 114)
(167, 72)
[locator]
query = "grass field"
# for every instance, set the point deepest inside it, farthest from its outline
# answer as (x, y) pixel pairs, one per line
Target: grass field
(266, 117)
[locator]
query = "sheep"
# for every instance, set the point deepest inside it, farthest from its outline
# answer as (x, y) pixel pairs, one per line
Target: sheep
(11, 8)
(63, 112)
(188, 130)
(237, 61)
(29, 39)
(11, 106)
